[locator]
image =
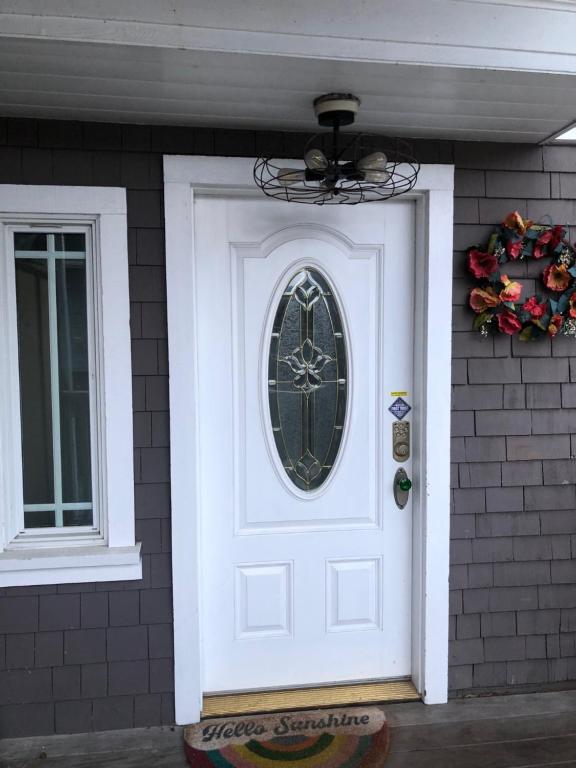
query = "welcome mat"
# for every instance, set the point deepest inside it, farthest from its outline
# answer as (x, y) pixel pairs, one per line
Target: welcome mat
(347, 737)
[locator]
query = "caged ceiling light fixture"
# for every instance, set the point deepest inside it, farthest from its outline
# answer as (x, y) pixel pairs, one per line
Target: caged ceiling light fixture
(340, 168)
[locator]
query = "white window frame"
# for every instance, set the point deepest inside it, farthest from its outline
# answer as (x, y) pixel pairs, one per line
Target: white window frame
(107, 551)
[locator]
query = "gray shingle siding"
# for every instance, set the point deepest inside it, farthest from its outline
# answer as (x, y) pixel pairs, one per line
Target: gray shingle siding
(80, 657)
(525, 592)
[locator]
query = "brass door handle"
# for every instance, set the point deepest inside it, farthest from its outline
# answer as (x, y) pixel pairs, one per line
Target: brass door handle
(402, 486)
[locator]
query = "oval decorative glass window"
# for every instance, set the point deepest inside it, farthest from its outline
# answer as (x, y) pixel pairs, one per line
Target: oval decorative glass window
(307, 379)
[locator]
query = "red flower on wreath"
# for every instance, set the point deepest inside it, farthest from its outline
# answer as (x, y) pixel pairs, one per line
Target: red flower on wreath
(558, 233)
(482, 299)
(508, 322)
(536, 310)
(551, 237)
(556, 277)
(556, 322)
(481, 264)
(541, 243)
(572, 305)
(514, 249)
(511, 291)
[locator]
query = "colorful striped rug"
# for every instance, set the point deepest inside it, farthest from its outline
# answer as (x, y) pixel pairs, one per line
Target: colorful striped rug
(347, 737)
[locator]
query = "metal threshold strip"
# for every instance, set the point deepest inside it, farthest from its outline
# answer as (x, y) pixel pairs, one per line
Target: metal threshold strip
(216, 705)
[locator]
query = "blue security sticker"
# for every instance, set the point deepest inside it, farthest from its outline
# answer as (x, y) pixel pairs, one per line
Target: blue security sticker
(399, 408)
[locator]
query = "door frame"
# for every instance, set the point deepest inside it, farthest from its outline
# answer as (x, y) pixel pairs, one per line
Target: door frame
(186, 177)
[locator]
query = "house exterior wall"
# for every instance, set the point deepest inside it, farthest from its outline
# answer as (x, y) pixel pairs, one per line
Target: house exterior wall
(513, 556)
(76, 658)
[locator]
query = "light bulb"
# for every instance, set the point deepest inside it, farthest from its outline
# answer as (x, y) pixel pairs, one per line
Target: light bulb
(377, 177)
(316, 160)
(376, 161)
(288, 176)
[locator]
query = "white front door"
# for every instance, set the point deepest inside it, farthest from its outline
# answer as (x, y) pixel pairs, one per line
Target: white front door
(305, 337)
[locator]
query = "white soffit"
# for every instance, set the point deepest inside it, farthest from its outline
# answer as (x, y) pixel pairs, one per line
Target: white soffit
(468, 69)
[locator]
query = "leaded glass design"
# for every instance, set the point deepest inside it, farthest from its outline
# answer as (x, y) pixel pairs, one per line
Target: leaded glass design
(307, 379)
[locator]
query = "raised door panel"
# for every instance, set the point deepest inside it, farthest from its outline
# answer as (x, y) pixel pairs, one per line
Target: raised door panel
(353, 594)
(263, 600)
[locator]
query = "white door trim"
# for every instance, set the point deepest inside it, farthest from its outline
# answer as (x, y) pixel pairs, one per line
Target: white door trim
(185, 177)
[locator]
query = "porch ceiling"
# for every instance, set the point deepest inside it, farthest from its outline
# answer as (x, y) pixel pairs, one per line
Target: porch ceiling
(209, 65)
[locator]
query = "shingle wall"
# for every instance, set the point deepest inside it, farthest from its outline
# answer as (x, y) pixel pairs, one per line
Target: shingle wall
(99, 656)
(513, 575)
(84, 657)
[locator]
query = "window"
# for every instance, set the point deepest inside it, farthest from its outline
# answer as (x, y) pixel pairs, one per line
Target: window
(307, 379)
(67, 509)
(56, 380)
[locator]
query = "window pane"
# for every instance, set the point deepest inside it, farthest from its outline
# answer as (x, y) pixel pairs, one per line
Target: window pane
(307, 379)
(54, 379)
(30, 241)
(39, 519)
(34, 364)
(74, 382)
(77, 517)
(71, 241)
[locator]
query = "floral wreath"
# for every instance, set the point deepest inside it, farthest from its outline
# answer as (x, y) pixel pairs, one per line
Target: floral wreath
(497, 301)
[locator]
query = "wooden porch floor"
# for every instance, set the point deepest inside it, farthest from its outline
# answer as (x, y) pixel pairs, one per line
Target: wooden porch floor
(522, 731)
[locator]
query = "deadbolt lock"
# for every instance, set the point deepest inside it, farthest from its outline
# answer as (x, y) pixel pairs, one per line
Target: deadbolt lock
(400, 440)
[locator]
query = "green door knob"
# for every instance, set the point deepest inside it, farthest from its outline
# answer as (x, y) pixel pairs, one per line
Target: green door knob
(405, 484)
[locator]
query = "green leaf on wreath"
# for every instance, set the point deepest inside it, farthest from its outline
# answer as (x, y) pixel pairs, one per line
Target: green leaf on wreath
(553, 306)
(492, 242)
(526, 334)
(479, 320)
(572, 271)
(494, 277)
(532, 234)
(563, 303)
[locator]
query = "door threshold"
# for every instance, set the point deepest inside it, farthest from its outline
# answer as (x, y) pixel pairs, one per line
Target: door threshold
(251, 702)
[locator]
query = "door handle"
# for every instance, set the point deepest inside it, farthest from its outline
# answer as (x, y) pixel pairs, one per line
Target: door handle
(402, 486)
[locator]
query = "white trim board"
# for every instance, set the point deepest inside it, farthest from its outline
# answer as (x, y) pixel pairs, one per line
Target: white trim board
(70, 565)
(185, 177)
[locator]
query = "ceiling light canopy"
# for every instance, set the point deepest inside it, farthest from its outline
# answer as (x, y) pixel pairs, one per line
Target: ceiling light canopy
(340, 168)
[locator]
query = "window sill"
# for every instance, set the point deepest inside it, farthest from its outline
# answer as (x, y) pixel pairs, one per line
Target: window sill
(69, 565)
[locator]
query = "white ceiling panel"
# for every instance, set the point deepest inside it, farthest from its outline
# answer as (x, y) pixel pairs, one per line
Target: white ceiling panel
(530, 35)
(150, 84)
